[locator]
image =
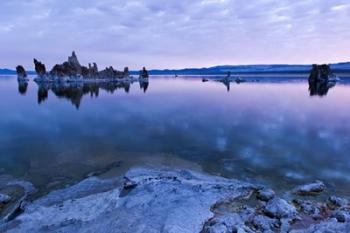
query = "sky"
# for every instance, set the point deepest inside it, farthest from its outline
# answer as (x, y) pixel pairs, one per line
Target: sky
(174, 33)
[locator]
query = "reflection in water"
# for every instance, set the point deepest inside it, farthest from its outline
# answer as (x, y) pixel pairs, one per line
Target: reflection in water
(144, 86)
(75, 91)
(265, 131)
(227, 84)
(320, 88)
(22, 87)
(42, 94)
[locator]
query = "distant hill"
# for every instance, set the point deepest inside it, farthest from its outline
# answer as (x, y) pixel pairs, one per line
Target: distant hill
(7, 72)
(250, 69)
(12, 72)
(234, 69)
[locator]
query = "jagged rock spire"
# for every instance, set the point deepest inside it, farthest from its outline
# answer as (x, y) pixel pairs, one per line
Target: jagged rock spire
(39, 68)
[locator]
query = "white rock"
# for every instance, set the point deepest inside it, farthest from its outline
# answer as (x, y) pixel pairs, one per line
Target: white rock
(163, 200)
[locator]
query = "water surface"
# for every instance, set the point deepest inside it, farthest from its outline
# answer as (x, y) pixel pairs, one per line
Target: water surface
(271, 132)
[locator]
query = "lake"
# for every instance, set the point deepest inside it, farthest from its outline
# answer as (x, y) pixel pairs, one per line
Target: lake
(270, 132)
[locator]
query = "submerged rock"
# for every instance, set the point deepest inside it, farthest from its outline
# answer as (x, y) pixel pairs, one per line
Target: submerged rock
(310, 189)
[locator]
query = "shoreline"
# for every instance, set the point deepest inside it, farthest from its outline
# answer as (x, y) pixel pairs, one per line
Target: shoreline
(149, 199)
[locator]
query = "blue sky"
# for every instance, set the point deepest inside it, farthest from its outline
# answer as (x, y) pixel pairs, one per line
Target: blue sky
(174, 33)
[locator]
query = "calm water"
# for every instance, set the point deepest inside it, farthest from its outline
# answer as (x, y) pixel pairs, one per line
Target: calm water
(270, 132)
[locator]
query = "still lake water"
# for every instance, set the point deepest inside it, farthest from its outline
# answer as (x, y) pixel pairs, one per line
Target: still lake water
(269, 132)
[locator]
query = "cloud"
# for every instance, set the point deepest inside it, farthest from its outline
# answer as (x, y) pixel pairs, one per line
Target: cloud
(170, 33)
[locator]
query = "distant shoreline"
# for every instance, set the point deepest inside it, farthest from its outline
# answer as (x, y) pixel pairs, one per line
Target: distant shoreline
(260, 73)
(256, 74)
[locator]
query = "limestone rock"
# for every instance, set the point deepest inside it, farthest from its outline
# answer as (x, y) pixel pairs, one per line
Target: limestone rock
(74, 64)
(310, 189)
(144, 73)
(163, 200)
(21, 72)
(264, 223)
(39, 68)
(265, 194)
(337, 202)
(320, 73)
(279, 208)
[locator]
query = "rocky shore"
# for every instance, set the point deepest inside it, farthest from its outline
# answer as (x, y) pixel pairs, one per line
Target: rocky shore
(175, 200)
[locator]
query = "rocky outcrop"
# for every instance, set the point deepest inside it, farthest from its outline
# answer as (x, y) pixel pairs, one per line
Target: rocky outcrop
(175, 200)
(320, 73)
(144, 73)
(21, 72)
(93, 70)
(72, 70)
(40, 68)
(111, 73)
(321, 79)
(73, 62)
(146, 200)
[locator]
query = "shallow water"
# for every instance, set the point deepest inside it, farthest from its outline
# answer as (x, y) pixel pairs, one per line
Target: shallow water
(271, 132)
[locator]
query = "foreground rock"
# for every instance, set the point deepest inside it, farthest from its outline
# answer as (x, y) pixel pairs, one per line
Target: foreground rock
(310, 189)
(265, 194)
(4, 198)
(152, 200)
(13, 196)
(175, 200)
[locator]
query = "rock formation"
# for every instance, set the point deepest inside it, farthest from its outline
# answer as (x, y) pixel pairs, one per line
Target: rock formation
(73, 70)
(177, 200)
(21, 72)
(74, 64)
(144, 73)
(39, 68)
(321, 79)
(320, 73)
(93, 70)
(126, 72)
